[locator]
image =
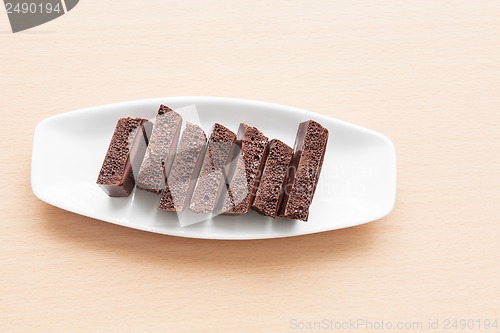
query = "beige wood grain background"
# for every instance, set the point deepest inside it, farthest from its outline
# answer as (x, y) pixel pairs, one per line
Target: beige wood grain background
(425, 73)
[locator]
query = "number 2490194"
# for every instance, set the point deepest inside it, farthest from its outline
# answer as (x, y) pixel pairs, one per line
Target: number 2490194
(470, 324)
(32, 8)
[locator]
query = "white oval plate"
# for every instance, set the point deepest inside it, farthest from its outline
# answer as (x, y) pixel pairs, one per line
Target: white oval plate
(357, 183)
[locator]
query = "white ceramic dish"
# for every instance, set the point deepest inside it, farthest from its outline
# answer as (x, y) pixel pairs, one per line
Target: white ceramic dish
(357, 183)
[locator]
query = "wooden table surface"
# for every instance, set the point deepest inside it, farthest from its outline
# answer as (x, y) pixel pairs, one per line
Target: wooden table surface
(424, 73)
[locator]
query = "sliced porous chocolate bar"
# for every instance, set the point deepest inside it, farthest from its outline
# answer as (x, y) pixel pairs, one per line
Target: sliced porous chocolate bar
(270, 191)
(246, 170)
(185, 169)
(214, 169)
(303, 174)
(161, 150)
(124, 156)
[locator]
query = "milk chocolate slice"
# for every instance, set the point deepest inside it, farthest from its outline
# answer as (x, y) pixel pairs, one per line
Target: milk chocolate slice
(272, 182)
(214, 169)
(303, 174)
(124, 156)
(245, 174)
(185, 169)
(161, 150)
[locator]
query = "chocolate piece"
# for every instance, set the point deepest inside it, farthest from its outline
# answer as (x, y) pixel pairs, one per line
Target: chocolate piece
(125, 153)
(185, 169)
(245, 174)
(272, 182)
(213, 172)
(161, 150)
(303, 174)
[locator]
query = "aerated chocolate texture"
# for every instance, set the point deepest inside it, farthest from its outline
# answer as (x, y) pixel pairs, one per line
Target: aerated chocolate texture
(244, 178)
(228, 175)
(161, 150)
(270, 192)
(125, 153)
(185, 169)
(303, 175)
(214, 170)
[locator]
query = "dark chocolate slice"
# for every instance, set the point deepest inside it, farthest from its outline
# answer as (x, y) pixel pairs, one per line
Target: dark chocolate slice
(185, 169)
(161, 150)
(214, 169)
(303, 174)
(124, 156)
(272, 182)
(245, 174)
